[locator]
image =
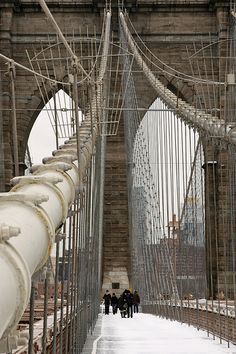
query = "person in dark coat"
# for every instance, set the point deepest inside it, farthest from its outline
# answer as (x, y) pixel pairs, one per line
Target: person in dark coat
(130, 303)
(122, 304)
(136, 301)
(114, 303)
(107, 301)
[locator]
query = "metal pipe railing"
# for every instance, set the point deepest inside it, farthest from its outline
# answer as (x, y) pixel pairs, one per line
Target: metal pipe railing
(33, 211)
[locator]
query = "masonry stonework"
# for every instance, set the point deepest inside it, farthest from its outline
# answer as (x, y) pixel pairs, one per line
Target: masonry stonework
(116, 229)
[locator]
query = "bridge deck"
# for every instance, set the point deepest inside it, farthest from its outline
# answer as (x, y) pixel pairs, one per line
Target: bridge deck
(147, 334)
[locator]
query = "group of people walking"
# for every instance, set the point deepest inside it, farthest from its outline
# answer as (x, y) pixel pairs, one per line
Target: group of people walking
(127, 303)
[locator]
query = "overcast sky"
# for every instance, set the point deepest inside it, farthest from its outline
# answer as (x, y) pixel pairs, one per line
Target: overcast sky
(42, 140)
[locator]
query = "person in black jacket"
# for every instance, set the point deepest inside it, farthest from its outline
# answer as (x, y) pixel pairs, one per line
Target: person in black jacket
(114, 303)
(107, 301)
(122, 304)
(129, 297)
(136, 301)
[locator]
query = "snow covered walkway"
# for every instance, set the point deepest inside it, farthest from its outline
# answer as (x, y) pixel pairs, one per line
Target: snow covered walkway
(147, 334)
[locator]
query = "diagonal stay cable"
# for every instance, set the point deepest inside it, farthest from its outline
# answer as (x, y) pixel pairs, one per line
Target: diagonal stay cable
(190, 180)
(20, 66)
(61, 36)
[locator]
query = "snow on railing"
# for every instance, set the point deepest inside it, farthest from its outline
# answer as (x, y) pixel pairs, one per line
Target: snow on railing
(220, 307)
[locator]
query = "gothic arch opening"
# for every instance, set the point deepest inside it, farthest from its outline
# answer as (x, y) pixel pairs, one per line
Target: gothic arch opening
(167, 197)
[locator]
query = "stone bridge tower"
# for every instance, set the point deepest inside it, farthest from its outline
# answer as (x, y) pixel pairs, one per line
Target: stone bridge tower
(167, 27)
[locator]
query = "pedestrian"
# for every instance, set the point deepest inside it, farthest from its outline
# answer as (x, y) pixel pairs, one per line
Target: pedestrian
(129, 303)
(107, 301)
(114, 303)
(136, 301)
(122, 304)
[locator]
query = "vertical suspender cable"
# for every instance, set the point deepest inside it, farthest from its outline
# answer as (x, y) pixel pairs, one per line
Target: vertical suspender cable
(12, 73)
(31, 320)
(2, 167)
(45, 310)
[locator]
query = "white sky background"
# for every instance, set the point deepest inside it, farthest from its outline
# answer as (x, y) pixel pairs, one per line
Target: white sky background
(42, 139)
(148, 334)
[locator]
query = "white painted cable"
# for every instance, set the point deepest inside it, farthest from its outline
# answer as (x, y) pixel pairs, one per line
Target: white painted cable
(192, 116)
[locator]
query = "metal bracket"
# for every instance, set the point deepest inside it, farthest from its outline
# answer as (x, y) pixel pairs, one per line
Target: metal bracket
(13, 340)
(6, 232)
(11, 69)
(67, 158)
(36, 198)
(72, 151)
(56, 166)
(40, 274)
(59, 237)
(36, 179)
